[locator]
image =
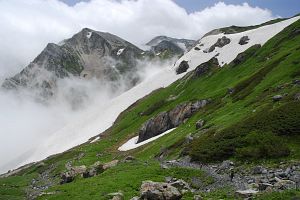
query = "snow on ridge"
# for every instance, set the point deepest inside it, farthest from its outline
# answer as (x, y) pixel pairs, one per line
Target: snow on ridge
(229, 52)
(132, 143)
(102, 117)
(89, 34)
(120, 51)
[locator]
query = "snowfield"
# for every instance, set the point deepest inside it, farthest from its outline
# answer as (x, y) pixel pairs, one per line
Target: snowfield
(101, 117)
(132, 143)
(230, 51)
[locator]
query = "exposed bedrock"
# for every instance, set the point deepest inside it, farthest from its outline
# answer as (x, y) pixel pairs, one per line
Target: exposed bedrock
(220, 43)
(167, 120)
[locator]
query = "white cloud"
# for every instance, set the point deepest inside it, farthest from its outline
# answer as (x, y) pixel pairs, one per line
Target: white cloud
(27, 26)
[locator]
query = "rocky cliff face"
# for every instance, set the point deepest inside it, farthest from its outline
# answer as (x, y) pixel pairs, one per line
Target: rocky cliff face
(167, 120)
(164, 46)
(87, 54)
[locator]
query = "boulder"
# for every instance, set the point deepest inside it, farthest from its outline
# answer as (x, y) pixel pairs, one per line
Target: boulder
(167, 120)
(79, 169)
(197, 197)
(297, 97)
(204, 68)
(155, 126)
(135, 198)
(110, 164)
(129, 159)
(180, 184)
(264, 186)
(221, 42)
(285, 185)
(116, 196)
(277, 97)
(199, 123)
(197, 48)
(95, 169)
(258, 170)
(67, 177)
(244, 40)
(245, 193)
(159, 191)
(183, 67)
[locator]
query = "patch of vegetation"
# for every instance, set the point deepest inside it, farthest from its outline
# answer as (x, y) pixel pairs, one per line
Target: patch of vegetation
(154, 107)
(239, 140)
(262, 145)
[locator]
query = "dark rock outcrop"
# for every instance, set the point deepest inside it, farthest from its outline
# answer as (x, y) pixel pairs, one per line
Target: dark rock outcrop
(244, 40)
(167, 46)
(221, 42)
(183, 67)
(204, 68)
(167, 120)
(242, 57)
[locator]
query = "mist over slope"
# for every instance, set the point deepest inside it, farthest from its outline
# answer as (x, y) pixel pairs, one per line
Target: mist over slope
(56, 126)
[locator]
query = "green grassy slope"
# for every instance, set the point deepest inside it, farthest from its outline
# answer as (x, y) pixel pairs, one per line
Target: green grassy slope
(268, 72)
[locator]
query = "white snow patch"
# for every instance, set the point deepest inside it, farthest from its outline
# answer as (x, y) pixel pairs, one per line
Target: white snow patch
(89, 34)
(95, 140)
(158, 54)
(230, 51)
(132, 143)
(120, 51)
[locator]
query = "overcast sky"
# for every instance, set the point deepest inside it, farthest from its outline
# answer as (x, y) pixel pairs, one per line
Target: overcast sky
(27, 26)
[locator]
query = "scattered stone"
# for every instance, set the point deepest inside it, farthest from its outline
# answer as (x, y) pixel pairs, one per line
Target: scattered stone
(180, 185)
(159, 191)
(199, 123)
(296, 82)
(197, 197)
(116, 196)
(245, 193)
(183, 67)
(285, 185)
(197, 48)
(258, 170)
(264, 186)
(110, 164)
(95, 169)
(67, 177)
(277, 97)
(189, 138)
(225, 165)
(244, 40)
(230, 90)
(129, 159)
(297, 97)
(135, 198)
(79, 169)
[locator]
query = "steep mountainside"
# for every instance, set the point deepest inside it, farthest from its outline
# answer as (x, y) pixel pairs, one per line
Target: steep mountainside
(87, 54)
(225, 126)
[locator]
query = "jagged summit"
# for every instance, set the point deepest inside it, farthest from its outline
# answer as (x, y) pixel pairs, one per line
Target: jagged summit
(87, 54)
